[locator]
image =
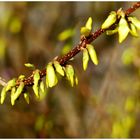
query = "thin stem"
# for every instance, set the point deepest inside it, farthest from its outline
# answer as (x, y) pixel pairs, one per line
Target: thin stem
(82, 44)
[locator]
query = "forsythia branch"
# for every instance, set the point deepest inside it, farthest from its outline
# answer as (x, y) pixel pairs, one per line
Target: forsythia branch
(82, 44)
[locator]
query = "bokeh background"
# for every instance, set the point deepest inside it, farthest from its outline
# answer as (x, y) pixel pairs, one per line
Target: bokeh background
(106, 102)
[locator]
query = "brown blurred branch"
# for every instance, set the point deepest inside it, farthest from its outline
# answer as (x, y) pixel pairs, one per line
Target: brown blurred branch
(2, 82)
(82, 44)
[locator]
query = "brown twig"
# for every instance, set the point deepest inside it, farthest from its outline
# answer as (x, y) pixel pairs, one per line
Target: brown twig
(2, 82)
(82, 44)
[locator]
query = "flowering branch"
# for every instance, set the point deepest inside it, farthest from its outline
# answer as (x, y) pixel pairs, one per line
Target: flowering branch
(82, 44)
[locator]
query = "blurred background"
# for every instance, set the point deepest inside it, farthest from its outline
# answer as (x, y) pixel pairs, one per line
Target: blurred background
(106, 102)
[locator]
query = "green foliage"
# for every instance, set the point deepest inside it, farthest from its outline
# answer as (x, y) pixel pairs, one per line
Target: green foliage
(76, 79)
(128, 122)
(21, 77)
(85, 58)
(125, 25)
(51, 79)
(29, 65)
(86, 30)
(92, 54)
(70, 74)
(36, 82)
(122, 128)
(89, 23)
(130, 104)
(66, 34)
(12, 95)
(135, 21)
(42, 91)
(58, 68)
(15, 25)
(16, 94)
(66, 48)
(123, 125)
(2, 48)
(42, 87)
(26, 97)
(39, 122)
(3, 95)
(111, 19)
(127, 56)
(133, 30)
(36, 90)
(123, 29)
(111, 32)
(117, 130)
(36, 77)
(11, 84)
